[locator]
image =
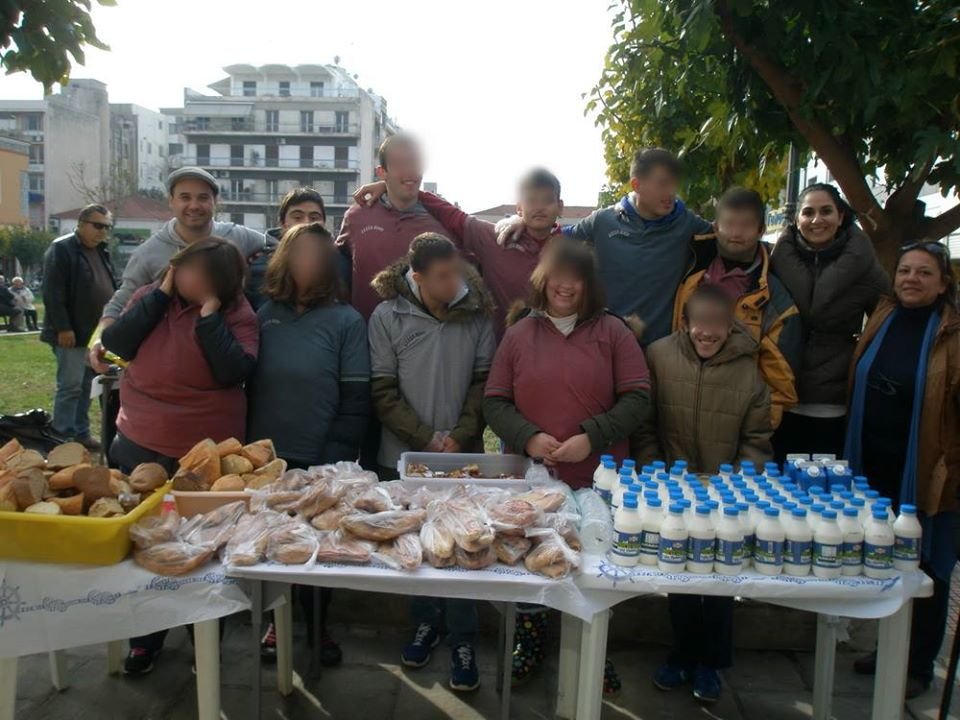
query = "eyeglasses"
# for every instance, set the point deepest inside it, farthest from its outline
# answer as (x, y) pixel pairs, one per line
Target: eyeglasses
(932, 247)
(99, 225)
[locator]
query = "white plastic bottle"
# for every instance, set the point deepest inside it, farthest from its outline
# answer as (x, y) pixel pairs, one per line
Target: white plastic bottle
(827, 547)
(797, 544)
(726, 472)
(679, 470)
(814, 514)
(607, 481)
(749, 530)
(604, 459)
(630, 465)
(878, 547)
(906, 540)
(768, 553)
(627, 528)
(701, 541)
(624, 481)
(650, 537)
(672, 555)
(852, 551)
(729, 560)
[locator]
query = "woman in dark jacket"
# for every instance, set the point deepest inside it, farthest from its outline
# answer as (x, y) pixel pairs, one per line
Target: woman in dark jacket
(904, 429)
(829, 266)
(311, 390)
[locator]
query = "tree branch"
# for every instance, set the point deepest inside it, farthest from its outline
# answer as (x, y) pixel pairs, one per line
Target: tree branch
(943, 224)
(839, 158)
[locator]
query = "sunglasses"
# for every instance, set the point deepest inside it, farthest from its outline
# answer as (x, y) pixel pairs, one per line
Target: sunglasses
(99, 225)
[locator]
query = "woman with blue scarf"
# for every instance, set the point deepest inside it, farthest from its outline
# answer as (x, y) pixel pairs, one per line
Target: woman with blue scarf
(904, 427)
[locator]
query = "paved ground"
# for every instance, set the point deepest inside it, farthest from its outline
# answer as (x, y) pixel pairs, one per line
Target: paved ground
(763, 685)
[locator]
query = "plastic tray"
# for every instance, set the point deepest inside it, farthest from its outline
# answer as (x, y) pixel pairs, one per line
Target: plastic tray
(491, 465)
(195, 503)
(72, 539)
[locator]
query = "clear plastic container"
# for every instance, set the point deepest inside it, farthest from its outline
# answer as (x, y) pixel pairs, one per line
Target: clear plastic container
(492, 467)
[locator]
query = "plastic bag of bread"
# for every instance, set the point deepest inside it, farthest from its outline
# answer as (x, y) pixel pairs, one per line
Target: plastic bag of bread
(511, 549)
(437, 543)
(292, 543)
(547, 499)
(172, 558)
(330, 518)
(213, 529)
(383, 525)
(479, 560)
(514, 516)
(402, 553)
(320, 496)
(374, 500)
(566, 525)
(155, 529)
(275, 498)
(468, 524)
(399, 493)
(550, 554)
(337, 546)
(248, 544)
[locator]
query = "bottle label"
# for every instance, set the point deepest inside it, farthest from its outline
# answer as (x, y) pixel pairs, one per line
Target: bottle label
(730, 552)
(749, 543)
(877, 557)
(906, 549)
(673, 552)
(797, 552)
(701, 550)
(650, 542)
(768, 552)
(626, 544)
(605, 495)
(826, 555)
(852, 553)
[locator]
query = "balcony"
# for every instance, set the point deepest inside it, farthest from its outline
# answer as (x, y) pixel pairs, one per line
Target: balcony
(261, 163)
(247, 197)
(247, 126)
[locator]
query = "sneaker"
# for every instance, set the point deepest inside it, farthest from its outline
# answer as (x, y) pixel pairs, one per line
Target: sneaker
(268, 643)
(139, 661)
(90, 444)
(417, 653)
(330, 653)
(670, 677)
(464, 676)
(866, 665)
(706, 685)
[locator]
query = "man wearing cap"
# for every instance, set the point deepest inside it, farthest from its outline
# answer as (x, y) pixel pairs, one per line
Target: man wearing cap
(193, 199)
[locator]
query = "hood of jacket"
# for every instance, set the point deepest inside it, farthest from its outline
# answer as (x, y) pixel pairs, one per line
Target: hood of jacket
(396, 282)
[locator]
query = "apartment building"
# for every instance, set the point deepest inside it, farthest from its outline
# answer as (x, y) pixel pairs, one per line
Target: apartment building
(275, 127)
(139, 139)
(14, 183)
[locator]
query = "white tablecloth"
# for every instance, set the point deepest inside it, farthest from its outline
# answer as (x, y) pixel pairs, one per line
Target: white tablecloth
(54, 607)
(602, 585)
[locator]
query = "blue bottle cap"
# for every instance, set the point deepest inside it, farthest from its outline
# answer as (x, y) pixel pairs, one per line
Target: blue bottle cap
(846, 495)
(850, 512)
(651, 494)
(691, 478)
(654, 502)
(762, 505)
(712, 504)
(628, 463)
(609, 465)
(815, 490)
(651, 486)
(771, 512)
(829, 515)
(817, 508)
(858, 502)
(747, 464)
(791, 506)
(773, 473)
(731, 511)
(626, 480)
(798, 513)
(879, 508)
(625, 471)
(805, 500)
(680, 463)
(662, 476)
(676, 509)
(748, 472)
(606, 458)
(837, 489)
(860, 479)
(636, 488)
(742, 506)
(630, 500)
(872, 494)
(726, 468)
(736, 478)
(686, 503)
(908, 509)
(880, 515)
(703, 509)
(659, 464)
(885, 501)
(649, 469)
(837, 505)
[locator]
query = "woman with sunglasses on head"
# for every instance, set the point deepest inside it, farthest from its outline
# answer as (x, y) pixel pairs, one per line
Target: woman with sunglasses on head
(904, 426)
(829, 266)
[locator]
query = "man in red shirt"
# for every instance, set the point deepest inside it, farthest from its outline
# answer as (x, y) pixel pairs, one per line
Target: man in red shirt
(376, 234)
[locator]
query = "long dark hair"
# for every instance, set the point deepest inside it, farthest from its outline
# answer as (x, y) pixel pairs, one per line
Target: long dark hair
(278, 284)
(564, 254)
(222, 263)
(843, 207)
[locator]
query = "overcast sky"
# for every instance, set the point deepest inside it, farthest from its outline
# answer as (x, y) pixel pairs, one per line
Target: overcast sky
(492, 88)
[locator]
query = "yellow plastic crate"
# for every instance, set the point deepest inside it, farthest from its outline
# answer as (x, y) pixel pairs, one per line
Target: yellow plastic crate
(72, 539)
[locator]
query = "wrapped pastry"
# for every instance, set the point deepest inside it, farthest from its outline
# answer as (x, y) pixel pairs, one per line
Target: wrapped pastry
(292, 543)
(330, 518)
(154, 529)
(437, 542)
(213, 529)
(479, 560)
(402, 553)
(248, 544)
(321, 496)
(566, 525)
(548, 500)
(383, 525)
(272, 498)
(374, 500)
(337, 546)
(510, 549)
(513, 516)
(468, 524)
(172, 558)
(399, 493)
(550, 555)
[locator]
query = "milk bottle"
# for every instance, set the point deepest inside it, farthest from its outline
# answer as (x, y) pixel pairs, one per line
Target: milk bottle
(729, 560)
(851, 555)
(797, 544)
(607, 480)
(701, 543)
(627, 528)
(906, 540)
(768, 552)
(827, 547)
(878, 547)
(650, 536)
(672, 555)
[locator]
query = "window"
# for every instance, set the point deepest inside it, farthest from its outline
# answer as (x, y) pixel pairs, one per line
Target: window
(237, 124)
(175, 149)
(284, 88)
(203, 123)
(273, 156)
(343, 121)
(316, 89)
(273, 120)
(203, 154)
(149, 148)
(36, 154)
(273, 190)
(34, 122)
(236, 156)
(249, 88)
(36, 183)
(341, 157)
(306, 156)
(340, 191)
(160, 124)
(236, 218)
(306, 121)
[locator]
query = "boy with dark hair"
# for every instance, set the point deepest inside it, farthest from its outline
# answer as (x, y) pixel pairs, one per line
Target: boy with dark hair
(712, 407)
(431, 347)
(641, 242)
(506, 269)
(300, 205)
(734, 259)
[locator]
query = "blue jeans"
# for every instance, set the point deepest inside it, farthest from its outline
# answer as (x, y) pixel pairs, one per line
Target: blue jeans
(71, 404)
(459, 617)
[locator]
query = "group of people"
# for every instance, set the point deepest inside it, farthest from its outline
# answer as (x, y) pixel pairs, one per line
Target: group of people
(643, 331)
(16, 305)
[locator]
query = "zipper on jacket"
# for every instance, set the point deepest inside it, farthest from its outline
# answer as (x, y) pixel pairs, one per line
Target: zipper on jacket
(696, 415)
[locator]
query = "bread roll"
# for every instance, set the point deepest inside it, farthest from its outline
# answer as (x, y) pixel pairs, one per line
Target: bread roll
(72, 505)
(28, 491)
(172, 558)
(71, 453)
(11, 448)
(106, 507)
(63, 479)
(94, 483)
(230, 446)
(235, 465)
(25, 460)
(475, 560)
(258, 455)
(44, 508)
(200, 468)
(8, 499)
(147, 477)
(228, 483)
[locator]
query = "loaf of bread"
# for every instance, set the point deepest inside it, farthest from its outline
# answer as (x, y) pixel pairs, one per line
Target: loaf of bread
(547, 500)
(513, 516)
(172, 558)
(106, 507)
(44, 508)
(199, 468)
(384, 525)
(228, 483)
(337, 546)
(230, 446)
(511, 549)
(72, 505)
(403, 552)
(551, 556)
(292, 544)
(330, 518)
(479, 560)
(63, 456)
(373, 500)
(321, 496)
